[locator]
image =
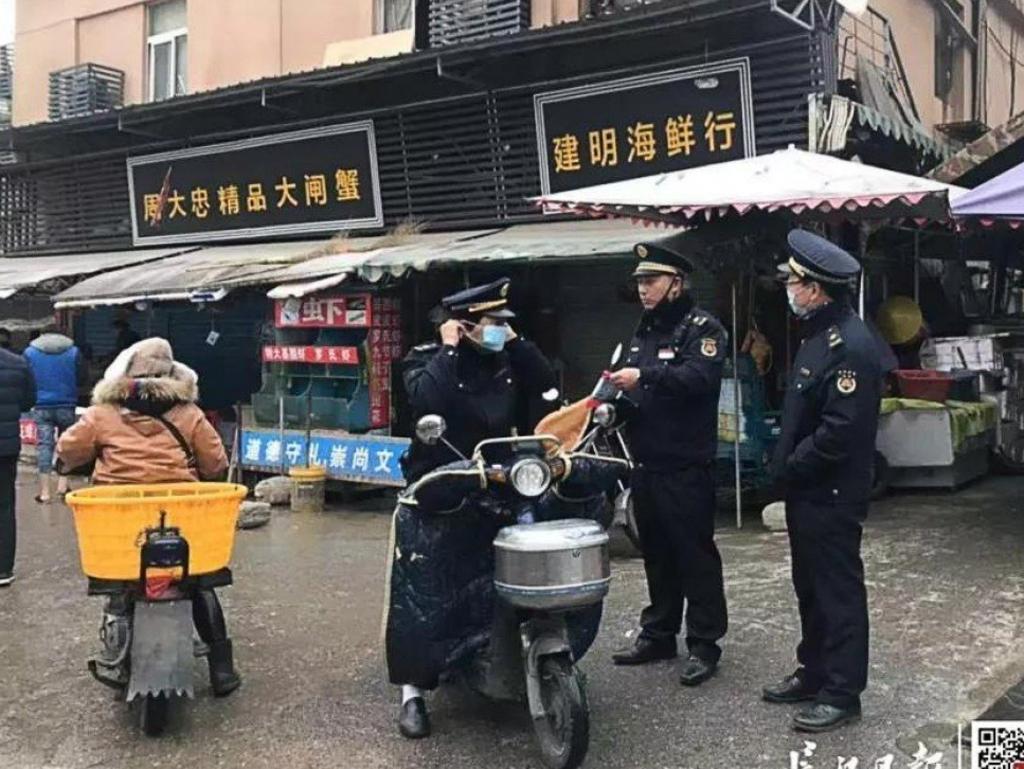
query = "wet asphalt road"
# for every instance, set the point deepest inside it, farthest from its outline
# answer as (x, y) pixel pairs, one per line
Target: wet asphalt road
(947, 596)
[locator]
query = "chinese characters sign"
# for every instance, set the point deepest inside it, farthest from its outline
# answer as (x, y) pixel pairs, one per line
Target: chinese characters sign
(644, 125)
(322, 179)
(29, 431)
(343, 356)
(385, 346)
(361, 458)
(323, 312)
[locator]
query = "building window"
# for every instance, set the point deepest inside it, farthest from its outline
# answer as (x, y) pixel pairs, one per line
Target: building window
(393, 15)
(167, 50)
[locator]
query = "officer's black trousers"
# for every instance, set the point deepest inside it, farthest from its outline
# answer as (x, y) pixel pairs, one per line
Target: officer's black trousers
(828, 575)
(675, 515)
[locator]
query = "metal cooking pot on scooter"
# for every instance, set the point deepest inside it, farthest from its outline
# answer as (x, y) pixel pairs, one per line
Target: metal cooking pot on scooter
(552, 566)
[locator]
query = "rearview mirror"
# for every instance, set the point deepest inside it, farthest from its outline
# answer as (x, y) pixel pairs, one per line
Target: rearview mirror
(430, 429)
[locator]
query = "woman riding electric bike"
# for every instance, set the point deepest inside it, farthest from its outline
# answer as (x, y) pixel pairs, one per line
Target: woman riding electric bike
(144, 427)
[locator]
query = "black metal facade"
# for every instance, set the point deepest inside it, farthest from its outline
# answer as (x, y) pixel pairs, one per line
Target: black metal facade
(465, 161)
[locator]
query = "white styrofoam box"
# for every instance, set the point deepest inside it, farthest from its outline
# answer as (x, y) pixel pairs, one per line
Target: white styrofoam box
(916, 438)
(982, 353)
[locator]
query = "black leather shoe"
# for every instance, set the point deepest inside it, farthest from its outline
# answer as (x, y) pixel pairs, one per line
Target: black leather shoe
(413, 721)
(696, 671)
(644, 651)
(820, 717)
(789, 690)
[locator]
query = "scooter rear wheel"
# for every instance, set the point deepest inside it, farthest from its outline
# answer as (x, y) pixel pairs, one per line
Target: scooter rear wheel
(153, 712)
(564, 732)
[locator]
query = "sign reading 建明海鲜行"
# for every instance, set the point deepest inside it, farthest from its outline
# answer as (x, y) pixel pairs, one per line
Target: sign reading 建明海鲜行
(321, 179)
(644, 125)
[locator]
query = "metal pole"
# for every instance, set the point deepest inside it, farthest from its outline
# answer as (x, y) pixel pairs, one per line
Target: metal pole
(280, 429)
(862, 243)
(738, 402)
(917, 266)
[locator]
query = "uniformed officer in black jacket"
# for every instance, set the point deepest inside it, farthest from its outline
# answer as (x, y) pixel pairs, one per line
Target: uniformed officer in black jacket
(825, 458)
(482, 378)
(673, 374)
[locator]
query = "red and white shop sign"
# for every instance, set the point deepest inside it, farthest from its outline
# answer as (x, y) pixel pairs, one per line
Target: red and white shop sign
(385, 346)
(344, 356)
(324, 312)
(29, 432)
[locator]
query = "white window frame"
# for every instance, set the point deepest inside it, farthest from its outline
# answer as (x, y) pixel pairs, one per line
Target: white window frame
(380, 15)
(151, 44)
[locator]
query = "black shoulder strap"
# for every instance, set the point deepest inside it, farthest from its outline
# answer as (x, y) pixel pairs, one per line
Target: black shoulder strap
(190, 455)
(681, 329)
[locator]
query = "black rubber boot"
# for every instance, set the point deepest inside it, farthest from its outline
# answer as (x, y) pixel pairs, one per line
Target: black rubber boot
(223, 677)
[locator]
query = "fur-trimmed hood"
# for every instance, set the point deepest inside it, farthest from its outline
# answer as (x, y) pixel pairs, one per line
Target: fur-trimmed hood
(118, 387)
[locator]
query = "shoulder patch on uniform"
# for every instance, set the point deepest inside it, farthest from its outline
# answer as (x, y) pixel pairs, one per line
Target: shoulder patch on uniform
(846, 381)
(709, 347)
(835, 339)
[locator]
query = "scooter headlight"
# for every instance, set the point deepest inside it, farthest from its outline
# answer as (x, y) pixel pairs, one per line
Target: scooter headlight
(604, 415)
(530, 477)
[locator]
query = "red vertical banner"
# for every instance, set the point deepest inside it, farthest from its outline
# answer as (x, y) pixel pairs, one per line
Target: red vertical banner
(385, 346)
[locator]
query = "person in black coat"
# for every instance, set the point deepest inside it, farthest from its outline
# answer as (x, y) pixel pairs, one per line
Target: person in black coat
(824, 459)
(479, 378)
(17, 395)
(673, 375)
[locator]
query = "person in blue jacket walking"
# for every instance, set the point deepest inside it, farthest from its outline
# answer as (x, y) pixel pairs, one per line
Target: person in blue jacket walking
(60, 370)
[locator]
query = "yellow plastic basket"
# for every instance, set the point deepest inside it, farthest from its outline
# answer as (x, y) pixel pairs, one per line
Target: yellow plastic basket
(111, 521)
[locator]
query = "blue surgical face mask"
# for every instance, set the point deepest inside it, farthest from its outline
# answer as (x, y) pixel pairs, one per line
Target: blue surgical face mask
(798, 310)
(493, 338)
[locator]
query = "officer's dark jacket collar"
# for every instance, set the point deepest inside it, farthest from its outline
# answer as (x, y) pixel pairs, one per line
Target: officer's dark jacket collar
(828, 315)
(668, 315)
(470, 354)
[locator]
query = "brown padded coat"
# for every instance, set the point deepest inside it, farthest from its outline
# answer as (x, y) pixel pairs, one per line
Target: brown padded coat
(130, 447)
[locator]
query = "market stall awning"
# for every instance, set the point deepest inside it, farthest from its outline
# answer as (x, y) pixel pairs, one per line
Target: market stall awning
(524, 242)
(52, 272)
(999, 200)
(207, 273)
(806, 184)
(985, 157)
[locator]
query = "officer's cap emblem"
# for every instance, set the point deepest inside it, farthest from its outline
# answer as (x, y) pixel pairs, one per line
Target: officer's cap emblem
(504, 291)
(846, 382)
(641, 251)
(708, 348)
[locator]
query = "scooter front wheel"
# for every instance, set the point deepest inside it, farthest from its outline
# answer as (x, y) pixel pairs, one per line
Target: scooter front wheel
(153, 712)
(564, 731)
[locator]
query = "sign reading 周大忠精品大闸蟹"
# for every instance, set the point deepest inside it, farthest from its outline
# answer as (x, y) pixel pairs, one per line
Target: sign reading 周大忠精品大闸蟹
(317, 180)
(644, 125)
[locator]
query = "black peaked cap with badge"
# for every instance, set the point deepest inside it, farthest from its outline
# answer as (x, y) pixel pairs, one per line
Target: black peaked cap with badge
(813, 257)
(662, 257)
(489, 300)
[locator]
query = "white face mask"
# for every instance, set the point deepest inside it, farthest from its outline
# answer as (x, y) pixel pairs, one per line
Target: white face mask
(797, 310)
